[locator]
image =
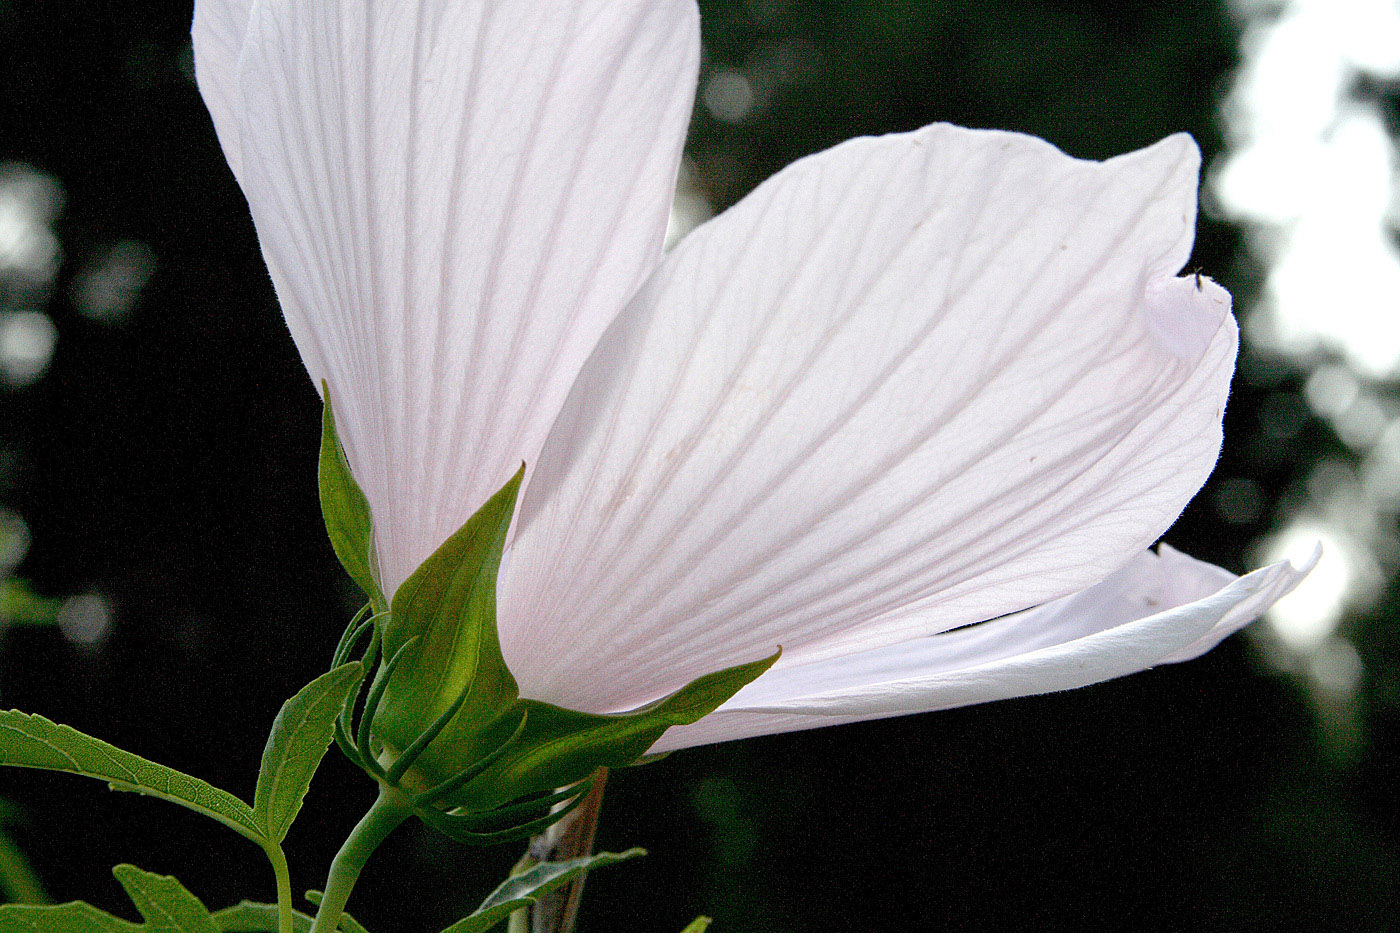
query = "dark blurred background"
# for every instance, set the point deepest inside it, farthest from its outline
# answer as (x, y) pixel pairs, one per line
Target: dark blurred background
(158, 438)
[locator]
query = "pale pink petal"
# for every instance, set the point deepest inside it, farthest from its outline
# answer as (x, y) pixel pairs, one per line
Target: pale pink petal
(454, 199)
(1157, 609)
(218, 31)
(908, 384)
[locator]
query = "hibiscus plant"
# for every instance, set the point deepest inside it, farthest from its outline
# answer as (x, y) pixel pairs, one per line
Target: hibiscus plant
(893, 434)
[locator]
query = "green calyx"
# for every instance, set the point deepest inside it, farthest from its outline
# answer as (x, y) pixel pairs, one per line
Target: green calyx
(346, 510)
(443, 719)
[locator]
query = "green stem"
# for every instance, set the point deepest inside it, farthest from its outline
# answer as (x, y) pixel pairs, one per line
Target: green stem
(284, 886)
(279, 869)
(390, 809)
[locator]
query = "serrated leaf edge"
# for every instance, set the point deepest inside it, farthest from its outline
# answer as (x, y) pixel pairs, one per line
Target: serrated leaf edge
(488, 914)
(269, 795)
(226, 918)
(139, 884)
(249, 829)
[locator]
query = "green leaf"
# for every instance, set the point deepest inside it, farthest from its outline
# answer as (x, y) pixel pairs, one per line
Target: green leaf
(449, 604)
(164, 902)
(34, 742)
(346, 510)
(73, 917)
(698, 925)
(347, 924)
(300, 735)
(250, 917)
(165, 906)
(524, 889)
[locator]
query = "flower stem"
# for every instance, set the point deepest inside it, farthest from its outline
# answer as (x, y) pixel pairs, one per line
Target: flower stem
(571, 837)
(390, 809)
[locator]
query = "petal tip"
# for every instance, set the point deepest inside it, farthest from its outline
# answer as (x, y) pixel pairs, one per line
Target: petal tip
(1306, 567)
(1184, 146)
(1171, 169)
(1184, 314)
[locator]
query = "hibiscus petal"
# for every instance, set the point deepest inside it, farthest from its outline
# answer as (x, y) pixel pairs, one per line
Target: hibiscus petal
(217, 33)
(1160, 608)
(908, 384)
(454, 199)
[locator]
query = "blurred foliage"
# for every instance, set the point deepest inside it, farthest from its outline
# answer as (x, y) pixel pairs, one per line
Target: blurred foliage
(1096, 79)
(18, 882)
(168, 458)
(20, 605)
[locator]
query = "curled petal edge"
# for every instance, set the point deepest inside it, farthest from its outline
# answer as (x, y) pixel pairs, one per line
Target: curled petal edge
(1178, 633)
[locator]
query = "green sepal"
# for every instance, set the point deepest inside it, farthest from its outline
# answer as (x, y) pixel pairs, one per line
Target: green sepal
(34, 742)
(466, 827)
(346, 510)
(163, 902)
(347, 923)
(300, 735)
(449, 604)
(698, 925)
(522, 890)
(251, 917)
(560, 746)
